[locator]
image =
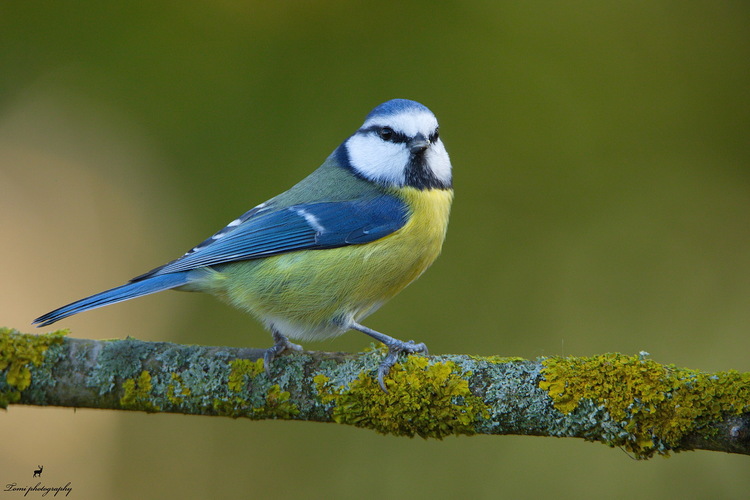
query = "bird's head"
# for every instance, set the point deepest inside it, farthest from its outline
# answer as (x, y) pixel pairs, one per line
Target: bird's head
(399, 145)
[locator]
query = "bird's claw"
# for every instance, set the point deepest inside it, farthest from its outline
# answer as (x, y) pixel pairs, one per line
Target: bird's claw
(394, 349)
(281, 344)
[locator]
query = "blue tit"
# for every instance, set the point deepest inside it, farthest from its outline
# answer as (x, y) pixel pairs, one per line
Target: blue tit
(314, 261)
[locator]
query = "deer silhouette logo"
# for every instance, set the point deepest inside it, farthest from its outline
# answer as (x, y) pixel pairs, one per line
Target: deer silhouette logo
(38, 472)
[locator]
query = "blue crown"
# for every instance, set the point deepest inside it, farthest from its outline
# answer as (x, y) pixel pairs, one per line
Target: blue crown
(396, 106)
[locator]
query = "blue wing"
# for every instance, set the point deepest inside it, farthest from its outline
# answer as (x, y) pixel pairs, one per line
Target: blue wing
(265, 231)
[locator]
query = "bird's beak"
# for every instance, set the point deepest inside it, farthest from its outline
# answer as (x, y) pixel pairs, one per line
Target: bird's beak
(418, 144)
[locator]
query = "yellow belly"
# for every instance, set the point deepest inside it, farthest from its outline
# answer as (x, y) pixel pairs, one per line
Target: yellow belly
(314, 293)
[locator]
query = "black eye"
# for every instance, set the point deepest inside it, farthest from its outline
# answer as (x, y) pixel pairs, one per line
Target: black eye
(434, 137)
(386, 133)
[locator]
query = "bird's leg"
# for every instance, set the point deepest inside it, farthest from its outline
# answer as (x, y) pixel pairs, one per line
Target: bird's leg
(281, 344)
(395, 347)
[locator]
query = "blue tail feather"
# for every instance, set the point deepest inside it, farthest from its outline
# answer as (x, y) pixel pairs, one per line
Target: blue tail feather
(114, 295)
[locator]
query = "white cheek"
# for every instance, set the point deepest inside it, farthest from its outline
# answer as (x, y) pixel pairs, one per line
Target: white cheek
(376, 159)
(439, 162)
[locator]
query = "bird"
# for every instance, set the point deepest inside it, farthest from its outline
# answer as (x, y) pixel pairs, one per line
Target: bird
(314, 261)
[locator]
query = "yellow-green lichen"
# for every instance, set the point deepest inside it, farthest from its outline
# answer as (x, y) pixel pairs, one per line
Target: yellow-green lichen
(176, 390)
(234, 407)
(657, 404)
(497, 359)
(137, 393)
(243, 370)
(424, 398)
(17, 351)
(277, 405)
(276, 402)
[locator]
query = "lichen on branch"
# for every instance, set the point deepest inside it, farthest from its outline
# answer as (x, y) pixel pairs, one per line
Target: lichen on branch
(627, 401)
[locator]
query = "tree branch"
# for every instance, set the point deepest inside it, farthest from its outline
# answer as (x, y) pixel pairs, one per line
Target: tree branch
(627, 401)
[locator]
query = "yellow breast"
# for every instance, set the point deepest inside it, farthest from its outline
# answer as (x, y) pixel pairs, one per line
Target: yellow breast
(421, 239)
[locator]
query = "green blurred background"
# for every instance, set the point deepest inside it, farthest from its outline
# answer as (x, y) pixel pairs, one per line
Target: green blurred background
(602, 172)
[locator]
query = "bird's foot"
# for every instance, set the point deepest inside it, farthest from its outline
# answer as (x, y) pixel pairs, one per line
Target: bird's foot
(395, 348)
(281, 344)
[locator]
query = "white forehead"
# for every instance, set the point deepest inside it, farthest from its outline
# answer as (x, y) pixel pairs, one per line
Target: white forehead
(410, 122)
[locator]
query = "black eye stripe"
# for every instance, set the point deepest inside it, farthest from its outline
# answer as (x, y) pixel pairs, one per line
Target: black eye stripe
(395, 137)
